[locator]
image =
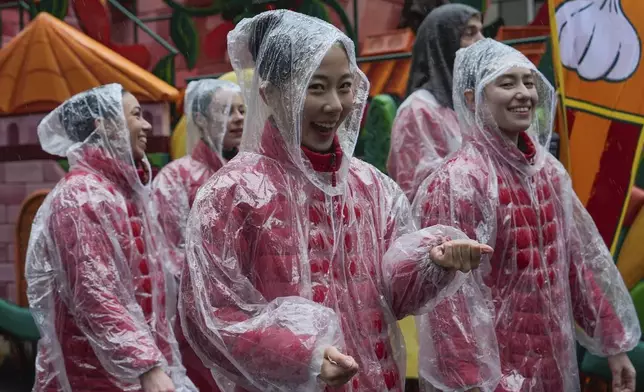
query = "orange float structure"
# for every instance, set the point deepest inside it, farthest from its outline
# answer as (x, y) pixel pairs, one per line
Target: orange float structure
(46, 63)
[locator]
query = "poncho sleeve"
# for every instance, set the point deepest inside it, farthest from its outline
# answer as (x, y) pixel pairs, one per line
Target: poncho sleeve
(458, 346)
(602, 306)
(413, 283)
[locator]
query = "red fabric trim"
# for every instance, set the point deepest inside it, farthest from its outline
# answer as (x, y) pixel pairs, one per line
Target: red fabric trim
(529, 150)
(273, 146)
(325, 162)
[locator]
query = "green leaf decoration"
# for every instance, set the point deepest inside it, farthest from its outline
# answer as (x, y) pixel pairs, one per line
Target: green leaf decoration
(246, 14)
(185, 37)
(57, 8)
(34, 9)
(546, 65)
(484, 6)
(314, 8)
(164, 69)
(377, 138)
(64, 163)
(158, 159)
(344, 19)
(358, 152)
(18, 322)
(638, 299)
(231, 13)
(215, 8)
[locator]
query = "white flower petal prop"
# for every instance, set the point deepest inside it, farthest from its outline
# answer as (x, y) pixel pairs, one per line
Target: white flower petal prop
(597, 40)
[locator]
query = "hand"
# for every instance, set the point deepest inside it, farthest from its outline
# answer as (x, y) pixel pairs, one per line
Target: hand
(155, 380)
(337, 368)
(462, 255)
(623, 373)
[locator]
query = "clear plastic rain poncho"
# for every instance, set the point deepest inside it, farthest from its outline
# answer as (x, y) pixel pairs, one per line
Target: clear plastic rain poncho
(207, 106)
(96, 285)
(207, 109)
(423, 134)
(285, 259)
(426, 129)
(550, 269)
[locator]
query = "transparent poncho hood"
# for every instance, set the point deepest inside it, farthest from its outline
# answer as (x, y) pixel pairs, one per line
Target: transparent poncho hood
(480, 65)
(285, 48)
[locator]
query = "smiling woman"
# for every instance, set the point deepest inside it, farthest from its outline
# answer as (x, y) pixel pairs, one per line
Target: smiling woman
(329, 99)
(136, 124)
(329, 94)
(550, 271)
(511, 99)
(97, 287)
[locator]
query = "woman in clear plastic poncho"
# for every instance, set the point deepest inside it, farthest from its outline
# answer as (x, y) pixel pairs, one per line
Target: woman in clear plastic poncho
(215, 119)
(286, 268)
(96, 285)
(426, 129)
(550, 269)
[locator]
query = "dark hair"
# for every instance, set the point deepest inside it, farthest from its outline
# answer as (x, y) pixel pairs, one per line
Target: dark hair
(78, 116)
(415, 11)
(201, 103)
(470, 80)
(271, 53)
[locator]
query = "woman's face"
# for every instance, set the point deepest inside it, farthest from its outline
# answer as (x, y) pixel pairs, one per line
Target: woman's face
(512, 99)
(329, 99)
(473, 32)
(137, 126)
(235, 123)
